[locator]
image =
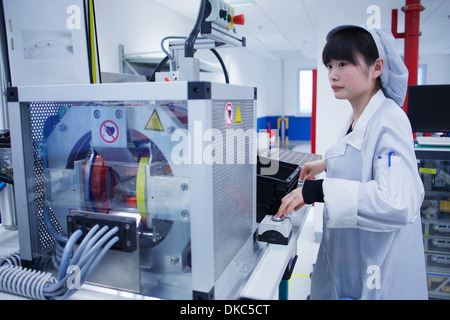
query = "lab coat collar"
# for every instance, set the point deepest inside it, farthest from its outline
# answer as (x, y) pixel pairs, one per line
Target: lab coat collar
(356, 137)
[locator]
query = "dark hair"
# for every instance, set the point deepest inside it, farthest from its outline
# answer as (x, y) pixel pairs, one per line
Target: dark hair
(346, 43)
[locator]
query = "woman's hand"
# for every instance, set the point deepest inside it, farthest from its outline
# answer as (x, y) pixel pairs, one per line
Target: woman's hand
(311, 169)
(293, 201)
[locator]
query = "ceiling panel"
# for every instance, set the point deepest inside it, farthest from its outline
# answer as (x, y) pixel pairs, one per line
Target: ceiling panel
(435, 27)
(283, 29)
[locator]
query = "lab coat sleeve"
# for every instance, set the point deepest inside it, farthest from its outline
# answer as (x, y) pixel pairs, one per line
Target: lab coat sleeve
(391, 199)
(341, 199)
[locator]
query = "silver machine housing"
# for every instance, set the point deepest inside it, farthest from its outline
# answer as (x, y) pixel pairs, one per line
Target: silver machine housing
(179, 157)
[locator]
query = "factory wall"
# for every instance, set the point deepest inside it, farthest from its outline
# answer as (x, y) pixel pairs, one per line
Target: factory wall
(282, 97)
(437, 68)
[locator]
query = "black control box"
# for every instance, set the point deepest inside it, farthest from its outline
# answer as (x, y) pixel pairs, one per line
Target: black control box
(85, 220)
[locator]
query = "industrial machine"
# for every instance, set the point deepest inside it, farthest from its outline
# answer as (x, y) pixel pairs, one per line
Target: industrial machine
(148, 158)
(144, 187)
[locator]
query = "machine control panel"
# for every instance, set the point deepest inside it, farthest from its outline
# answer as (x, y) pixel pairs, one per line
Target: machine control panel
(221, 13)
(275, 230)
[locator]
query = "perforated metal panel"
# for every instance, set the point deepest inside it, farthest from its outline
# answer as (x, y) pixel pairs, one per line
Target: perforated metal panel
(232, 189)
(40, 112)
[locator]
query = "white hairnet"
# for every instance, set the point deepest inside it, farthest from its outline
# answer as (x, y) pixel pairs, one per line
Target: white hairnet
(394, 78)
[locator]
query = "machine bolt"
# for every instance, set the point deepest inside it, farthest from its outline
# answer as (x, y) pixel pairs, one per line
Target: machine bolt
(174, 260)
(185, 214)
(119, 114)
(97, 114)
(184, 186)
(156, 237)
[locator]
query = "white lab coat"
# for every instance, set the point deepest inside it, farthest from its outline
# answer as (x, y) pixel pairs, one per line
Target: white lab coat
(372, 245)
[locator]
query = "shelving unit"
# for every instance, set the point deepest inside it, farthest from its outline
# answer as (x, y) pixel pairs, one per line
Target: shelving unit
(434, 169)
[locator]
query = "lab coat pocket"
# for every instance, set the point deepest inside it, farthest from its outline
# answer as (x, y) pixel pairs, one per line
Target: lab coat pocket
(386, 173)
(394, 185)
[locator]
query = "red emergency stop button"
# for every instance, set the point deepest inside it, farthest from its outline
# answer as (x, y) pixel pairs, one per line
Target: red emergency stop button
(239, 19)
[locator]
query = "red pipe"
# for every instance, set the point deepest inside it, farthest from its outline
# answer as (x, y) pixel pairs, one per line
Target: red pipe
(395, 25)
(412, 34)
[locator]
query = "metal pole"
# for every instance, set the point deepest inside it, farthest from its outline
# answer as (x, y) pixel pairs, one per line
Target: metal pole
(412, 35)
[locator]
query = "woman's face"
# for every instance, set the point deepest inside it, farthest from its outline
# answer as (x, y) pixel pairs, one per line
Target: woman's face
(349, 81)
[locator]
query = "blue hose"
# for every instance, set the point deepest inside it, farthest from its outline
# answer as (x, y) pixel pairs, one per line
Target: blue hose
(32, 284)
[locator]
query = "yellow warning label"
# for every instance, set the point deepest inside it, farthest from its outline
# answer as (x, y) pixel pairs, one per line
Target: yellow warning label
(154, 123)
(427, 170)
(140, 187)
(238, 115)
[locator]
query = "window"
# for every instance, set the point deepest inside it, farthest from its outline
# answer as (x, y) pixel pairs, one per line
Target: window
(422, 75)
(305, 92)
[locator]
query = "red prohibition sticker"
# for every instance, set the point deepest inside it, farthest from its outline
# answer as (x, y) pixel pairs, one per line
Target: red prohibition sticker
(109, 131)
(229, 114)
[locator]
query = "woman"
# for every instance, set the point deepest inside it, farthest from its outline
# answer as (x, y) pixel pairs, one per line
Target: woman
(372, 239)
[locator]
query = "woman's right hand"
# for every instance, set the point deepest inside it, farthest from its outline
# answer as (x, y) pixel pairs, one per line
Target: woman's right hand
(311, 169)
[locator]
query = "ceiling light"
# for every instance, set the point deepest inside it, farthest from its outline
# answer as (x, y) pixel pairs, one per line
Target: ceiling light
(240, 2)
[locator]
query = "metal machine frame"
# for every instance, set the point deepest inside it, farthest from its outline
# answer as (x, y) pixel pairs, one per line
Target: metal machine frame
(222, 197)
